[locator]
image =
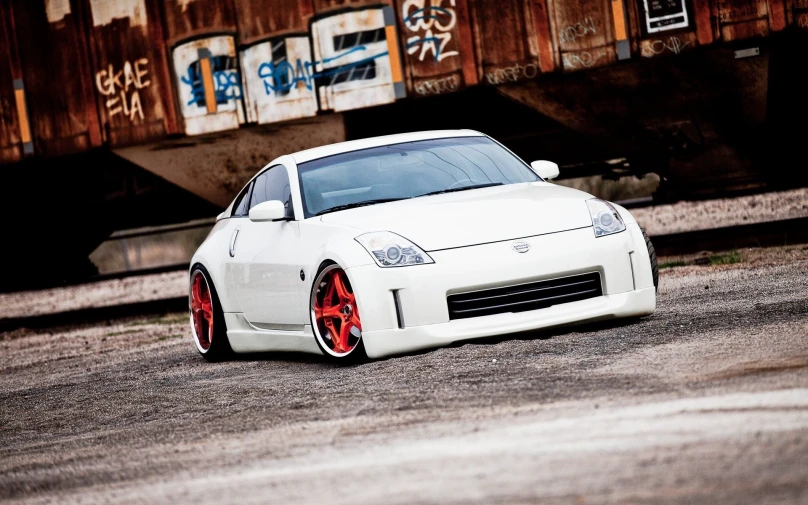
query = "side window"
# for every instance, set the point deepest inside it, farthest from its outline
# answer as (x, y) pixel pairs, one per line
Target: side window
(273, 185)
(240, 208)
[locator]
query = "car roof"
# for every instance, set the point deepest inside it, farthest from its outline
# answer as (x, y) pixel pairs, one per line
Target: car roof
(356, 145)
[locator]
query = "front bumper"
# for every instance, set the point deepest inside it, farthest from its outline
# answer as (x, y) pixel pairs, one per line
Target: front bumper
(621, 259)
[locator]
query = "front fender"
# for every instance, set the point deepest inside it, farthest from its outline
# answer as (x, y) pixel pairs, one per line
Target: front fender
(210, 255)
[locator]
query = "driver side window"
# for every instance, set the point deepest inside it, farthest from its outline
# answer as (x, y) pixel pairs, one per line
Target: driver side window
(273, 185)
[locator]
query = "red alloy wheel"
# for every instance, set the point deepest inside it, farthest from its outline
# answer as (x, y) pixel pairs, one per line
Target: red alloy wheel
(201, 310)
(335, 312)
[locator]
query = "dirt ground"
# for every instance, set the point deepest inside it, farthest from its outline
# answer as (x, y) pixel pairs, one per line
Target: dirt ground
(706, 401)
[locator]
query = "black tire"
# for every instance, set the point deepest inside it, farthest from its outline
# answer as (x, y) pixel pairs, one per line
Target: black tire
(357, 354)
(218, 349)
(652, 255)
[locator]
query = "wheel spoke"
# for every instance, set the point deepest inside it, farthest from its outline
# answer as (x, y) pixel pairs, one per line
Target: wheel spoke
(329, 291)
(339, 284)
(344, 334)
(332, 330)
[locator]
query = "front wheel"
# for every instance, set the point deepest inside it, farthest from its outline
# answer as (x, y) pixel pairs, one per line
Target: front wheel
(335, 315)
(207, 318)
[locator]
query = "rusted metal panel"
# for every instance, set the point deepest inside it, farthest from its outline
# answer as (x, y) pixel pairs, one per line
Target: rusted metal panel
(777, 15)
(585, 32)
(436, 37)
(505, 41)
(126, 68)
(703, 17)
(741, 19)
(264, 19)
(323, 6)
(11, 122)
(208, 84)
(797, 13)
(357, 62)
(57, 83)
(188, 18)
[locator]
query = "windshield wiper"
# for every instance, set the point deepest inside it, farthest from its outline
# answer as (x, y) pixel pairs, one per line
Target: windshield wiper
(357, 204)
(463, 188)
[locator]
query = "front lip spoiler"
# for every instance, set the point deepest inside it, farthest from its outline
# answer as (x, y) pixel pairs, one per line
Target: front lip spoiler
(506, 240)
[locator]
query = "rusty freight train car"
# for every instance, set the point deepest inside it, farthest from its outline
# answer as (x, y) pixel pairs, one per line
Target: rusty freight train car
(124, 108)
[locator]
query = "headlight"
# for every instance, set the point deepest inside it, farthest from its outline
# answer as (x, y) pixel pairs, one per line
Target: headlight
(391, 250)
(605, 217)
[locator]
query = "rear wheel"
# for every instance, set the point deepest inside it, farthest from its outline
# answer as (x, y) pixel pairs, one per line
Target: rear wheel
(652, 255)
(335, 315)
(207, 318)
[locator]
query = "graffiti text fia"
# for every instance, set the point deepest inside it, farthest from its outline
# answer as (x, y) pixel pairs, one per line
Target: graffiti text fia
(122, 88)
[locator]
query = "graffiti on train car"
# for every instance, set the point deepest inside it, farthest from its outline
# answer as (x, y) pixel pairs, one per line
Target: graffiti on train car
(512, 73)
(802, 21)
(582, 59)
(356, 59)
(431, 26)
(209, 84)
(578, 30)
(226, 80)
(279, 84)
(281, 76)
(437, 86)
(122, 88)
(673, 44)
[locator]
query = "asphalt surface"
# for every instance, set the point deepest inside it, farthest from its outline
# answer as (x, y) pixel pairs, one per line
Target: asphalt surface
(706, 401)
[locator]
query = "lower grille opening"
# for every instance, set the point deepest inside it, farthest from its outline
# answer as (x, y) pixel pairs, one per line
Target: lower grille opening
(524, 297)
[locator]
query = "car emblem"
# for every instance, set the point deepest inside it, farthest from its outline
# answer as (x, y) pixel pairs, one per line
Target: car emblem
(521, 247)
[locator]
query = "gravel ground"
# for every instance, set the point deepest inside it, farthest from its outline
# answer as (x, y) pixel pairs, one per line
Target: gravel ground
(706, 401)
(704, 215)
(95, 294)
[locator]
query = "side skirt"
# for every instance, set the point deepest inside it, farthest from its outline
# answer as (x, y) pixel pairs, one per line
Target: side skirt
(245, 337)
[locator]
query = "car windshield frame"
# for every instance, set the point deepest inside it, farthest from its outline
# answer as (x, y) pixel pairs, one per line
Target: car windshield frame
(521, 169)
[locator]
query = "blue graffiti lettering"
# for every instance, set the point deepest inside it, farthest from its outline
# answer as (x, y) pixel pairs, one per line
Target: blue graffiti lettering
(421, 14)
(435, 41)
(226, 80)
(281, 76)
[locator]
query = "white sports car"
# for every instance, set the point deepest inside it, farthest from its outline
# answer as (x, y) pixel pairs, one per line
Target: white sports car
(392, 244)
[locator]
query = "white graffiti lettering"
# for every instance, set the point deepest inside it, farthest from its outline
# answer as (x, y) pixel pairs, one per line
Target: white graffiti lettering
(512, 74)
(432, 24)
(802, 21)
(578, 30)
(584, 59)
(437, 86)
(122, 88)
(672, 44)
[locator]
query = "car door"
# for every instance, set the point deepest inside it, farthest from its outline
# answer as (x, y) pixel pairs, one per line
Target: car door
(237, 218)
(267, 261)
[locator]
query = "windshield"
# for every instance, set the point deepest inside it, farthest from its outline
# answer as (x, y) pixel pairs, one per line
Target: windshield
(407, 170)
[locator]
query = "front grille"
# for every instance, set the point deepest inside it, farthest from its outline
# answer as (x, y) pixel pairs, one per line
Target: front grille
(522, 297)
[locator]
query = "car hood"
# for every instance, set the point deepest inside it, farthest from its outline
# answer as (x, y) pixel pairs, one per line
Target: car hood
(475, 216)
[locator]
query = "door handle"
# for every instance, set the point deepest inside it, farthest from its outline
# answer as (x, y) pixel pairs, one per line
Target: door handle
(233, 239)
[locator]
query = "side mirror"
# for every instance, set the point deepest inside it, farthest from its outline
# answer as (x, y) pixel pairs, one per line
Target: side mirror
(272, 210)
(545, 169)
